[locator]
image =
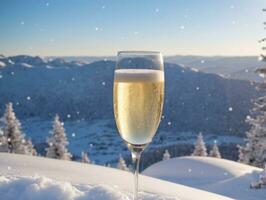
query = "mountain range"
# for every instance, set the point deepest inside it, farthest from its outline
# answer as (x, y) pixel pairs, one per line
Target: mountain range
(194, 101)
(233, 67)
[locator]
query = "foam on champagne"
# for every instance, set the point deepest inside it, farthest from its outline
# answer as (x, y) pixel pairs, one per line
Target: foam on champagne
(139, 75)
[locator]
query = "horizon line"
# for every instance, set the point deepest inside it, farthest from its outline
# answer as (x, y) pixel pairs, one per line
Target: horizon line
(168, 55)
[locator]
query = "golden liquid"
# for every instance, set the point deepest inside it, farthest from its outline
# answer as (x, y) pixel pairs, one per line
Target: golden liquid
(138, 103)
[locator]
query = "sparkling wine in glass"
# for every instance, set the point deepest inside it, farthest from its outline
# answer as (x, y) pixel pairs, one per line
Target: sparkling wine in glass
(138, 101)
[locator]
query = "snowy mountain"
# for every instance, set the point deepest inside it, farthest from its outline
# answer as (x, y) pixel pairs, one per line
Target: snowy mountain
(233, 67)
(42, 178)
(241, 68)
(220, 176)
(81, 88)
(82, 96)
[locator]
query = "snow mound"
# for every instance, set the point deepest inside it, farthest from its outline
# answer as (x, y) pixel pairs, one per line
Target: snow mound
(35, 178)
(215, 175)
(43, 188)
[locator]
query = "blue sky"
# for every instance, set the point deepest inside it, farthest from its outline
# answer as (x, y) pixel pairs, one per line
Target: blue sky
(103, 27)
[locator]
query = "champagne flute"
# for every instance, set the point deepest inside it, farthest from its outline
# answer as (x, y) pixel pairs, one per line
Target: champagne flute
(138, 101)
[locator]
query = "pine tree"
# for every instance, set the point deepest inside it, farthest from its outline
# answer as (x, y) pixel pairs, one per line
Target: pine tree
(122, 164)
(254, 152)
(84, 157)
(57, 142)
(3, 142)
(200, 148)
(13, 137)
(215, 151)
(166, 155)
(30, 148)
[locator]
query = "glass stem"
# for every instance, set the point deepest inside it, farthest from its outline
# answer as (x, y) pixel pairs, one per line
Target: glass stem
(136, 159)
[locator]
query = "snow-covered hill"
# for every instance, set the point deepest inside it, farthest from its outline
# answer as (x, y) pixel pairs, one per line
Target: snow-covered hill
(36, 178)
(220, 176)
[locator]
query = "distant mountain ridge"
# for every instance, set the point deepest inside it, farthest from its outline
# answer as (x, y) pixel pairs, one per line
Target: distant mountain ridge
(233, 67)
(194, 101)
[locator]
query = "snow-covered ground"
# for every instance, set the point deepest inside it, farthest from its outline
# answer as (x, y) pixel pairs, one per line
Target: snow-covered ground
(35, 178)
(215, 175)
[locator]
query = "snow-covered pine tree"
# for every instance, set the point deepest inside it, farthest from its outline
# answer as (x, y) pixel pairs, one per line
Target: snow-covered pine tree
(57, 142)
(122, 164)
(13, 135)
(215, 152)
(166, 155)
(200, 148)
(3, 142)
(254, 152)
(85, 157)
(30, 148)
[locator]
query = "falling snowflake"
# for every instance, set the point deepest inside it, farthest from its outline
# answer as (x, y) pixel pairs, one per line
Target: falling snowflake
(12, 73)
(189, 170)
(9, 168)
(62, 123)
(73, 134)
(162, 116)
(225, 173)
(23, 141)
(246, 70)
(28, 98)
(68, 115)
(103, 83)
(157, 10)
(233, 22)
(105, 59)
(248, 117)
(169, 123)
(232, 6)
(103, 7)
(182, 27)
(136, 33)
(1, 76)
(197, 88)
(91, 145)
(202, 61)
(47, 4)
(17, 103)
(8, 139)
(96, 28)
(73, 79)
(78, 112)
(230, 109)
(22, 22)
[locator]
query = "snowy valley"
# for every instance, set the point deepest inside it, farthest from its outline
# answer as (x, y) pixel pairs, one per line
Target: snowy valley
(40, 88)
